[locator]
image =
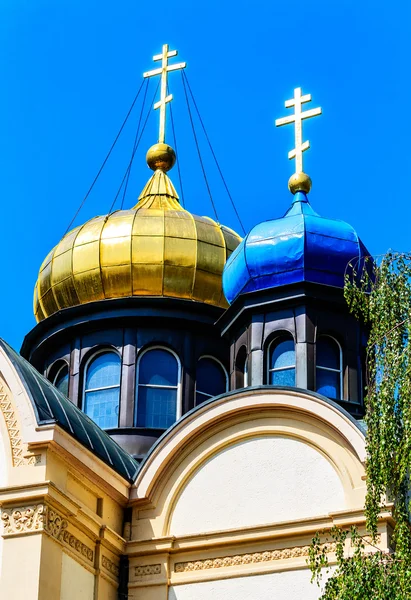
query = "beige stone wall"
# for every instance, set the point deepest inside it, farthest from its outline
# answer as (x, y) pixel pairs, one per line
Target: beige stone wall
(76, 581)
(61, 509)
(227, 504)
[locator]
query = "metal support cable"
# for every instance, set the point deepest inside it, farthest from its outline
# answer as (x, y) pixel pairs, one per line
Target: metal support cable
(176, 149)
(198, 148)
(135, 144)
(213, 153)
(134, 151)
(105, 160)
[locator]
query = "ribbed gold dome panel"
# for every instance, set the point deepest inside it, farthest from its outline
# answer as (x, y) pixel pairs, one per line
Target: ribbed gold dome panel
(156, 249)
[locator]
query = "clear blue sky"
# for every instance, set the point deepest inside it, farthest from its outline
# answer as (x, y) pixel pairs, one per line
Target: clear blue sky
(69, 70)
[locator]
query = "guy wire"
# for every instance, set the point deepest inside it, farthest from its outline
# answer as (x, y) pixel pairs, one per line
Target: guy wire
(198, 148)
(134, 144)
(134, 151)
(178, 162)
(105, 160)
(212, 152)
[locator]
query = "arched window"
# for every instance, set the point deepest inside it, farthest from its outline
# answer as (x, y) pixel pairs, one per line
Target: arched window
(241, 369)
(102, 389)
(61, 379)
(328, 372)
(281, 361)
(157, 389)
(211, 379)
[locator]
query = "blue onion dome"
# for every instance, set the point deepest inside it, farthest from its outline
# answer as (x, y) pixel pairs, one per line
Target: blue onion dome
(300, 247)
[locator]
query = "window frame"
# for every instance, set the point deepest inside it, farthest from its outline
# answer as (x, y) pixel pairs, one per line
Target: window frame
(63, 365)
(340, 370)
(91, 357)
(281, 336)
(178, 388)
(241, 370)
(208, 396)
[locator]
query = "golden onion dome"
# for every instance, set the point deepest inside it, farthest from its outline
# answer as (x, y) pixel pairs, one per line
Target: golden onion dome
(155, 249)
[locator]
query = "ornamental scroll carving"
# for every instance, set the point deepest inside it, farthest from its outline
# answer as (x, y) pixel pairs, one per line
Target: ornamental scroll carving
(24, 520)
(144, 570)
(246, 559)
(41, 517)
(110, 566)
(9, 414)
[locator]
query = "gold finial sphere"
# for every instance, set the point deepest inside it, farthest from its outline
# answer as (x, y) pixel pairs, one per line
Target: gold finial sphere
(161, 156)
(299, 182)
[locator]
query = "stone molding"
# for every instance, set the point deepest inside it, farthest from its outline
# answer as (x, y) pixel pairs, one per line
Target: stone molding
(250, 558)
(144, 570)
(369, 541)
(16, 443)
(41, 517)
(110, 566)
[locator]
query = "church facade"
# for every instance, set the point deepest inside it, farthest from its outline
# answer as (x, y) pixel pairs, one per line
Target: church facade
(186, 414)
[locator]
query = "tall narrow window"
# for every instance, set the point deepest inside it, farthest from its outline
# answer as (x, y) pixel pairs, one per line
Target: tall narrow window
(158, 376)
(328, 370)
(281, 361)
(211, 379)
(102, 389)
(241, 369)
(61, 379)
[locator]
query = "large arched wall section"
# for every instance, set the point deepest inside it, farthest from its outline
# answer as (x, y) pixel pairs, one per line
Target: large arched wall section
(18, 426)
(256, 480)
(243, 434)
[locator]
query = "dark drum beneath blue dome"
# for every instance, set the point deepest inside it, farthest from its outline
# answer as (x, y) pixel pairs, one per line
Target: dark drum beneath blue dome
(301, 246)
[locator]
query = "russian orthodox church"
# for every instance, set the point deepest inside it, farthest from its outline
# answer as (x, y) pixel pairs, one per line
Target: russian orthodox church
(186, 414)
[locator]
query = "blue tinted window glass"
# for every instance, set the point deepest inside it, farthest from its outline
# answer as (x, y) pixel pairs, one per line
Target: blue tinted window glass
(284, 377)
(201, 398)
(102, 407)
(156, 407)
(282, 354)
(103, 371)
(328, 383)
(62, 380)
(158, 367)
(328, 353)
(211, 378)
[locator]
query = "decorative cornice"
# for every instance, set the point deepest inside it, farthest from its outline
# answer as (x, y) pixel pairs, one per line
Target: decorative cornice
(9, 414)
(144, 570)
(245, 559)
(25, 519)
(41, 517)
(369, 541)
(110, 566)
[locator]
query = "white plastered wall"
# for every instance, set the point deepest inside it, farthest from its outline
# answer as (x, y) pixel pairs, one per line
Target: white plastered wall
(287, 585)
(257, 481)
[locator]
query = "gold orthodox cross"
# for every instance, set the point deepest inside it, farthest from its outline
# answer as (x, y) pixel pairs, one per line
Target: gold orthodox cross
(163, 70)
(297, 118)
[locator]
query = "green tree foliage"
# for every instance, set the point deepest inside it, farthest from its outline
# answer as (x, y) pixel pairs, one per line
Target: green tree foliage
(359, 575)
(380, 296)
